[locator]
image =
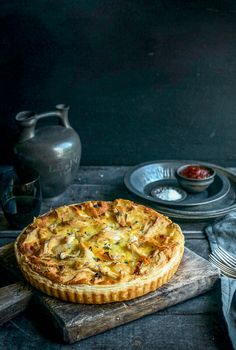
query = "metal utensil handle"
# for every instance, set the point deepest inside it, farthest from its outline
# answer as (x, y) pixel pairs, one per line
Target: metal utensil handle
(27, 120)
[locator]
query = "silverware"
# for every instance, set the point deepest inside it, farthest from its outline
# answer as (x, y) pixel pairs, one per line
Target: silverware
(224, 269)
(225, 257)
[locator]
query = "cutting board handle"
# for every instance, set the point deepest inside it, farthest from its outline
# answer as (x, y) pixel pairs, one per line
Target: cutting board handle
(14, 298)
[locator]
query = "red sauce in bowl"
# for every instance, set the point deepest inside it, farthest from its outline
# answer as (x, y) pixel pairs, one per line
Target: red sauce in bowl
(196, 172)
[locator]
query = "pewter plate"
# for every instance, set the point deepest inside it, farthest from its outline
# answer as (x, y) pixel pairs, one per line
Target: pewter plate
(145, 178)
(223, 202)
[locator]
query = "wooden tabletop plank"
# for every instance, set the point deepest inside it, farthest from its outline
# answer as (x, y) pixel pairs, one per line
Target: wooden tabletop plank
(194, 324)
(151, 332)
(14, 298)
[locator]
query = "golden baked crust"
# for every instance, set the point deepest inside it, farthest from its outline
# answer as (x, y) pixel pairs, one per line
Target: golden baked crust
(99, 252)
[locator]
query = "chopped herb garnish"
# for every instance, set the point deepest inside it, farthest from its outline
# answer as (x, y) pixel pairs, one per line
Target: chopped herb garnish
(98, 275)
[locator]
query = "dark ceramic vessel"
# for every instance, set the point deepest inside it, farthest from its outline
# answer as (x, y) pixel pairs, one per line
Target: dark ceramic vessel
(194, 185)
(53, 150)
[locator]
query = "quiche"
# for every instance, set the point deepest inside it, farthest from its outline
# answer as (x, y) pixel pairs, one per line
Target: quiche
(99, 252)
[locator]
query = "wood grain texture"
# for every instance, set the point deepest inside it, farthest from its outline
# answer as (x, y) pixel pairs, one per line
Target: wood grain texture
(197, 323)
(75, 322)
(14, 298)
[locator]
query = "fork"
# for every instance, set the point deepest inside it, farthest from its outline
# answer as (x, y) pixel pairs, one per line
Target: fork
(225, 257)
(224, 269)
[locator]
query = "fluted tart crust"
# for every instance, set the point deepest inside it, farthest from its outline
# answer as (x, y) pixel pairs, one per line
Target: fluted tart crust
(100, 252)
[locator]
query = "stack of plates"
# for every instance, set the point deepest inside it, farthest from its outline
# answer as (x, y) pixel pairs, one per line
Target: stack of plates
(149, 180)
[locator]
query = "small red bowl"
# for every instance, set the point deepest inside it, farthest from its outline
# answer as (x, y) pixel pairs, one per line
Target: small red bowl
(195, 178)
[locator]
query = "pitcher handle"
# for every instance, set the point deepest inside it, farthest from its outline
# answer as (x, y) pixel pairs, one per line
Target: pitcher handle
(27, 120)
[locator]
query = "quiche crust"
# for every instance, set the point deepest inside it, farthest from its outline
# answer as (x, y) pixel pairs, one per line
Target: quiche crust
(100, 252)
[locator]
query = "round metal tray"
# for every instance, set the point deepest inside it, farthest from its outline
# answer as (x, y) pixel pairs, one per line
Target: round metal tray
(144, 179)
(218, 201)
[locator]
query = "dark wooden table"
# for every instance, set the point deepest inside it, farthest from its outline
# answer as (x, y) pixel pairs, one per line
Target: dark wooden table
(195, 324)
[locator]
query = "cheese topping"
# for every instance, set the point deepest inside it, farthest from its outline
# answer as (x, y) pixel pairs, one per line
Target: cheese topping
(99, 243)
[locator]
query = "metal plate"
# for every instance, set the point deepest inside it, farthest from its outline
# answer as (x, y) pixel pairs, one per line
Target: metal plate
(144, 178)
(203, 211)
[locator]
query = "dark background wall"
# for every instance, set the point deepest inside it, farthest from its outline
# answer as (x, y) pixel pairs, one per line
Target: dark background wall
(145, 79)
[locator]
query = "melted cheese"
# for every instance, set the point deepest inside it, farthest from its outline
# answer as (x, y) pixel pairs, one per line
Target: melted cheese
(99, 242)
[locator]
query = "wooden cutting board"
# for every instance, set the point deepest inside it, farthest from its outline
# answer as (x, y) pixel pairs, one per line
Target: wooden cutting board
(78, 321)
